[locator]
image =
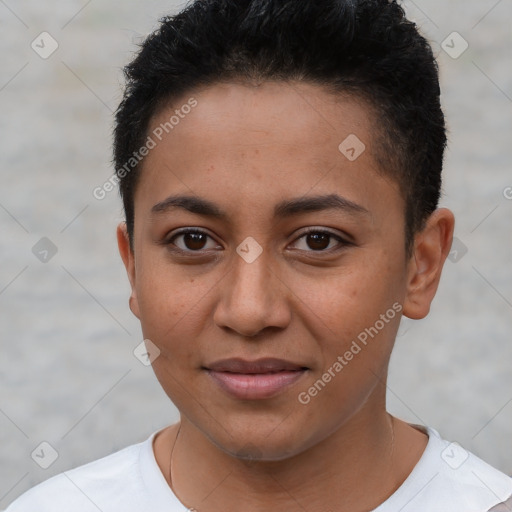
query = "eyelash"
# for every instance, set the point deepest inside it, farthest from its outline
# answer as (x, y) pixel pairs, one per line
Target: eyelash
(343, 242)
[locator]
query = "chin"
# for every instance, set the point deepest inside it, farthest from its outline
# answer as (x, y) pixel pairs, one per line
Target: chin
(271, 442)
(251, 450)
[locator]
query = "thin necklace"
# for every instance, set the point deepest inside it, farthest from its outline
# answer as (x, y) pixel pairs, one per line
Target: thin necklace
(170, 461)
(391, 420)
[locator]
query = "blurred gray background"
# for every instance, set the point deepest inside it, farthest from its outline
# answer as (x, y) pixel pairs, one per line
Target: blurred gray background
(68, 375)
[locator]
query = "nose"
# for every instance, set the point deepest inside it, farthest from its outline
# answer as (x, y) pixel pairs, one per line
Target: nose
(252, 299)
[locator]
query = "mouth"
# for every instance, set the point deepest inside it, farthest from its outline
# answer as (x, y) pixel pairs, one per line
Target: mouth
(255, 380)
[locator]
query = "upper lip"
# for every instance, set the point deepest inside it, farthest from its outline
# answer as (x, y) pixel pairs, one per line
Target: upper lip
(264, 365)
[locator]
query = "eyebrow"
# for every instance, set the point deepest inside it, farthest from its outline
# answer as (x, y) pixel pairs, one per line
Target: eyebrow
(286, 208)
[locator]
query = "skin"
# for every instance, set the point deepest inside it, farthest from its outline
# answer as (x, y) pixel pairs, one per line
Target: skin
(246, 148)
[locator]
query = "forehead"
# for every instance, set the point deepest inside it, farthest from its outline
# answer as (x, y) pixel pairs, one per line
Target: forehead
(293, 113)
(254, 143)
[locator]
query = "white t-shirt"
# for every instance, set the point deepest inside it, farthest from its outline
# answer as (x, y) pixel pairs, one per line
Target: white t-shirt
(445, 479)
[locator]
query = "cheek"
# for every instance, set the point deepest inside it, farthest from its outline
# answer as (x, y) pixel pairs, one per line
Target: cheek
(348, 301)
(172, 317)
(170, 302)
(355, 352)
(357, 316)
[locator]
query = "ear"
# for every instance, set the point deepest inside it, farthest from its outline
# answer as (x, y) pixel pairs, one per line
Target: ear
(128, 257)
(431, 247)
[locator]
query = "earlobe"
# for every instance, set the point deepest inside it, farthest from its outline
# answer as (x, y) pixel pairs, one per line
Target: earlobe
(431, 247)
(128, 257)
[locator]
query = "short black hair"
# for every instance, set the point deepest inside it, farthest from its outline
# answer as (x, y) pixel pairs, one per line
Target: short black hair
(365, 48)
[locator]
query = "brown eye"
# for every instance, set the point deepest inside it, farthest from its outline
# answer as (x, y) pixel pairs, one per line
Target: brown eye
(191, 240)
(317, 240)
(194, 241)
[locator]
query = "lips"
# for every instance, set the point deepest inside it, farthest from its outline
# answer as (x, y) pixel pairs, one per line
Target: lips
(255, 380)
(266, 365)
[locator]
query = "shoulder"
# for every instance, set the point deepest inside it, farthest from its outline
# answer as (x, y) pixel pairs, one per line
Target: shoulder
(504, 506)
(88, 488)
(449, 478)
(475, 483)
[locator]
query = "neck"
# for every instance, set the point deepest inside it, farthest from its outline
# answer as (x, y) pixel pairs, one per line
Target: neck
(357, 467)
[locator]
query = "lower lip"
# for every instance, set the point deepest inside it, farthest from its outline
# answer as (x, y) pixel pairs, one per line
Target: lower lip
(256, 386)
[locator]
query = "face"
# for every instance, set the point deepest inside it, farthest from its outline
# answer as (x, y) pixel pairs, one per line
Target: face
(268, 265)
